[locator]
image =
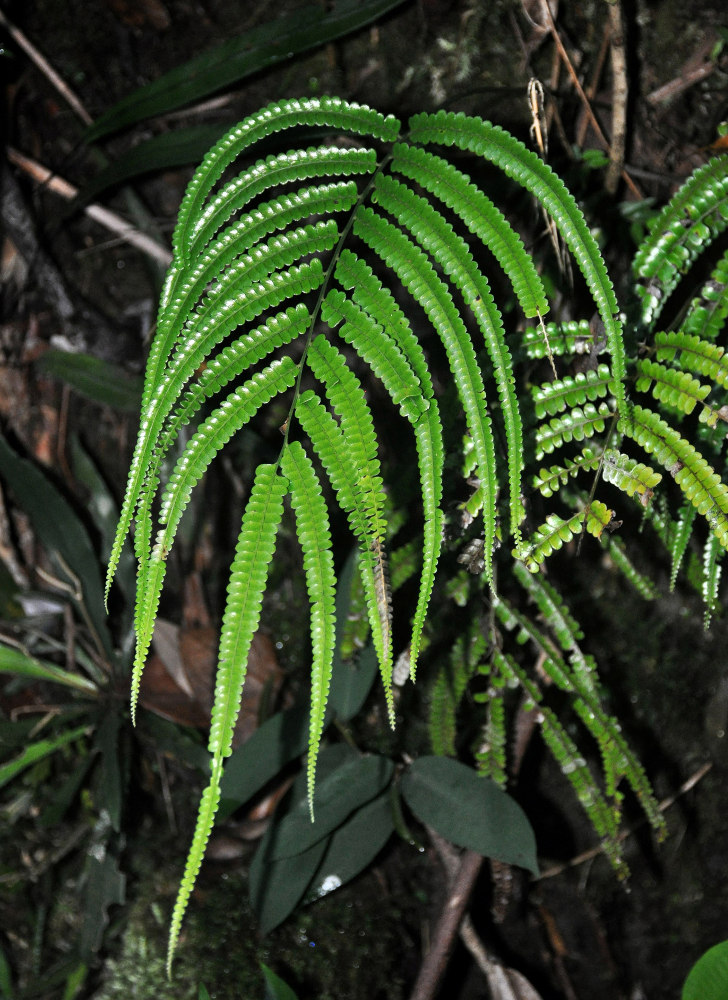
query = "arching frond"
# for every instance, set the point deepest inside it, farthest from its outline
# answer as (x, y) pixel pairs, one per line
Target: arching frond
(524, 166)
(253, 555)
(697, 213)
(318, 561)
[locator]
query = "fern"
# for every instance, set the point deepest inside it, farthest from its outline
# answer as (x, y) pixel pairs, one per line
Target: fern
(300, 277)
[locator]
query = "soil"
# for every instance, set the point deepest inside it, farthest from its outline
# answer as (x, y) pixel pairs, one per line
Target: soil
(578, 933)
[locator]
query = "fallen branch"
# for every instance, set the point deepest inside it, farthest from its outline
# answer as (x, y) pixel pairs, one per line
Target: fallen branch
(103, 216)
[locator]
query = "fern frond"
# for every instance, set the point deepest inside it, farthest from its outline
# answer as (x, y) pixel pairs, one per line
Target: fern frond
(568, 339)
(437, 237)
(549, 537)
(576, 425)
(696, 214)
(712, 555)
(490, 750)
(347, 398)
(323, 111)
(629, 475)
(294, 167)
(707, 312)
(554, 397)
(641, 583)
(213, 433)
(417, 274)
(243, 308)
(237, 239)
(313, 532)
(603, 816)
(374, 343)
(330, 445)
(253, 555)
(525, 167)
(482, 218)
(548, 481)
(679, 540)
(701, 357)
(699, 482)
(677, 390)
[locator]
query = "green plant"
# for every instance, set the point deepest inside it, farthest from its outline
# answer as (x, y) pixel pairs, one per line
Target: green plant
(288, 280)
(708, 978)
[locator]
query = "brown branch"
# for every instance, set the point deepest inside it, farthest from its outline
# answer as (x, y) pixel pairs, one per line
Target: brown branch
(619, 98)
(594, 852)
(584, 99)
(109, 220)
(46, 69)
(435, 961)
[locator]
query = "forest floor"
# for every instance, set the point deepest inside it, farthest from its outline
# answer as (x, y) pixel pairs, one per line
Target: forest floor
(68, 281)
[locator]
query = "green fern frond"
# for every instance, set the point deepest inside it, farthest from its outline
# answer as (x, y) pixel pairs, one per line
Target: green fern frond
(236, 240)
(680, 538)
(548, 481)
(701, 357)
(629, 475)
(576, 425)
(346, 395)
(382, 352)
(697, 213)
(525, 167)
(570, 339)
(677, 390)
(330, 445)
(644, 586)
(210, 437)
(245, 307)
(253, 555)
(707, 312)
(573, 390)
(549, 537)
(419, 277)
(490, 750)
(480, 215)
(312, 523)
(603, 816)
(437, 237)
(712, 555)
(330, 112)
(700, 484)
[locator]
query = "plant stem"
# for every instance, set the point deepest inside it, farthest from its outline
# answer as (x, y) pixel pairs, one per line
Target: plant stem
(435, 961)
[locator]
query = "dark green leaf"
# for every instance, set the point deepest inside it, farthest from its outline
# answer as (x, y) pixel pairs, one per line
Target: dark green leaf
(110, 778)
(59, 530)
(104, 511)
(6, 980)
(275, 988)
(469, 810)
(708, 978)
(97, 380)
(277, 886)
(104, 886)
(351, 683)
(337, 796)
(354, 846)
(272, 746)
(239, 57)
(202, 993)
(162, 152)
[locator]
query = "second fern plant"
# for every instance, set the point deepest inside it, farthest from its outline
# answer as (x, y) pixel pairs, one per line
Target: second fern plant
(377, 244)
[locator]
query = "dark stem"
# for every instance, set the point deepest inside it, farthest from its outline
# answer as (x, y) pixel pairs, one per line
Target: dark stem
(435, 961)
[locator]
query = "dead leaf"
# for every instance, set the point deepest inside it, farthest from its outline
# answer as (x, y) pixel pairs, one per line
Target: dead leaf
(179, 679)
